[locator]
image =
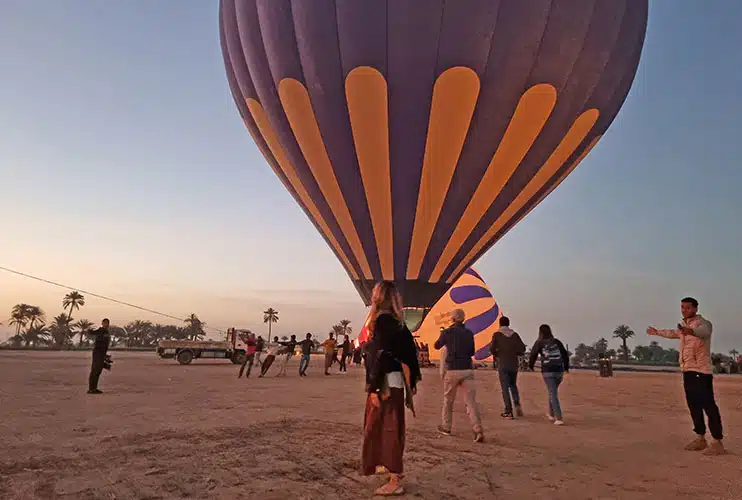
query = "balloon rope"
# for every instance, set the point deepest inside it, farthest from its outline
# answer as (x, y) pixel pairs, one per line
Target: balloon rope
(99, 296)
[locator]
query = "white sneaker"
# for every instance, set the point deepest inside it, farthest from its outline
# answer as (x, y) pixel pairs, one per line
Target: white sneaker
(558, 422)
(550, 417)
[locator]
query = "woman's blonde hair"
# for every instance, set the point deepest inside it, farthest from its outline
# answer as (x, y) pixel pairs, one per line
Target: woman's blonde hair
(385, 299)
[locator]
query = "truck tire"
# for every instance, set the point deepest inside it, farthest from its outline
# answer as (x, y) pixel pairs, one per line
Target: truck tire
(185, 357)
(238, 357)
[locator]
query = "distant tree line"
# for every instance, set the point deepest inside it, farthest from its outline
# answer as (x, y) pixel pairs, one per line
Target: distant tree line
(642, 354)
(33, 331)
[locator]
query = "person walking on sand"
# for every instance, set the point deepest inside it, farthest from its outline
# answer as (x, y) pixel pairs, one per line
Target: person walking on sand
(357, 354)
(343, 351)
(251, 345)
(458, 341)
(349, 353)
(259, 346)
(287, 352)
(306, 352)
(273, 349)
(392, 374)
(506, 347)
(694, 332)
(554, 364)
(330, 352)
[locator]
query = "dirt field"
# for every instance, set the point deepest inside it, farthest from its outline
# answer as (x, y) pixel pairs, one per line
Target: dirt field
(163, 430)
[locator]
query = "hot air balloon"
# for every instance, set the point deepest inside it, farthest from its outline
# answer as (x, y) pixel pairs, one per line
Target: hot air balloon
(469, 293)
(413, 134)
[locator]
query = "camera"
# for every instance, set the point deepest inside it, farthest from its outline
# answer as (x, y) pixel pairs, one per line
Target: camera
(107, 362)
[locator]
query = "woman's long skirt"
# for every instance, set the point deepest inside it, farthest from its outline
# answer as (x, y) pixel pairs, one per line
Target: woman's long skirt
(384, 434)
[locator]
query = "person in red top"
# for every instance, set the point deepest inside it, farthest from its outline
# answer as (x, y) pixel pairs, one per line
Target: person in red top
(251, 344)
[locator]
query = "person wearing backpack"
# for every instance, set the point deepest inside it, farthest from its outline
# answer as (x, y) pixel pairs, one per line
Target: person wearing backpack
(554, 364)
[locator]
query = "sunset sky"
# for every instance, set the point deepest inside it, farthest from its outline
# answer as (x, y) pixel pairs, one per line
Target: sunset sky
(126, 170)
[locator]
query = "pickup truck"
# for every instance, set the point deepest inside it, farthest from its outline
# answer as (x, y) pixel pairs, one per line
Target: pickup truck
(233, 348)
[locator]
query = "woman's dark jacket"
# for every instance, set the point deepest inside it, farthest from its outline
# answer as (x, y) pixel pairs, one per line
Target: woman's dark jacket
(391, 344)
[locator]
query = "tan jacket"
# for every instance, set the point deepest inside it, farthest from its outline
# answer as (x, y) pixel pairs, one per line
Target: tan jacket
(695, 350)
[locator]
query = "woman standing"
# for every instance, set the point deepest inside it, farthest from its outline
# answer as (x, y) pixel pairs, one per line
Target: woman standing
(554, 364)
(391, 368)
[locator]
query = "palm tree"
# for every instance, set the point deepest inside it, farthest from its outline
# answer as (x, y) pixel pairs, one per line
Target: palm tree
(83, 325)
(19, 317)
(338, 330)
(60, 330)
(624, 332)
(72, 301)
(35, 314)
(345, 323)
(733, 353)
(195, 327)
(15, 341)
(140, 333)
(161, 332)
(270, 316)
(117, 334)
(35, 335)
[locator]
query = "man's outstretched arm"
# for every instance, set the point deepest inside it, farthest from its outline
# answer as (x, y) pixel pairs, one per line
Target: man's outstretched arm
(668, 334)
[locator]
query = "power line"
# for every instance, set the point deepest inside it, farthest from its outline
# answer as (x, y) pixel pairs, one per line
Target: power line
(99, 296)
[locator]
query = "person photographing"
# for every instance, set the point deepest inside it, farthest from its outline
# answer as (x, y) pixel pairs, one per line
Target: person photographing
(101, 339)
(694, 332)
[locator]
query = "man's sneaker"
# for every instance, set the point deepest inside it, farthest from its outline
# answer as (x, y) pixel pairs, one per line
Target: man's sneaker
(558, 422)
(95, 391)
(550, 417)
(507, 415)
(518, 411)
(716, 448)
(442, 430)
(479, 437)
(698, 444)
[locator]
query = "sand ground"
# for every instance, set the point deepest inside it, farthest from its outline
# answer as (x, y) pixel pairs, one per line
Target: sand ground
(163, 430)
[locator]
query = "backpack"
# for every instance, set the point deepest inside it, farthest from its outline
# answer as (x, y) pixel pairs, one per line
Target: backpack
(551, 356)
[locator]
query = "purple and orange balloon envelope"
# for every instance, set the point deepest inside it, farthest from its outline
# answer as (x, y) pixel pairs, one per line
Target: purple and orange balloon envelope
(413, 134)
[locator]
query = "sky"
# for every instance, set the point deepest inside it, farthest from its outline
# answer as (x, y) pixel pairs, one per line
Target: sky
(125, 170)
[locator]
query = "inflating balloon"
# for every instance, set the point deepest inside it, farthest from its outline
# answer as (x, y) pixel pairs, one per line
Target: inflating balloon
(414, 134)
(470, 294)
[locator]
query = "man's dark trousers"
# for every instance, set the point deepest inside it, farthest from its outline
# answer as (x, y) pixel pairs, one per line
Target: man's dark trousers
(699, 394)
(95, 370)
(508, 382)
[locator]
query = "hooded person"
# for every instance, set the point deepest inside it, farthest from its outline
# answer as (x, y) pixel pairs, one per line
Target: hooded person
(506, 348)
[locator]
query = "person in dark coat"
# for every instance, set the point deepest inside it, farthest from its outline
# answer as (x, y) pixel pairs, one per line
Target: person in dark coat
(392, 374)
(506, 348)
(102, 339)
(344, 351)
(459, 343)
